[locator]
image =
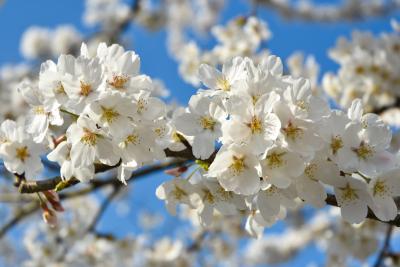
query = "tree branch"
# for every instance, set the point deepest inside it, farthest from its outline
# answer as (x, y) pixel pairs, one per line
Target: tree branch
(93, 186)
(385, 247)
(347, 11)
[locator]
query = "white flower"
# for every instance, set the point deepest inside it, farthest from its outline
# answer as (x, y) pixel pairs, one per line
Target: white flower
(203, 122)
(382, 189)
(147, 108)
(62, 155)
(43, 112)
(297, 134)
(83, 83)
(303, 103)
(222, 82)
(111, 112)
(254, 125)
(236, 169)
(19, 153)
(308, 185)
(89, 144)
(280, 166)
(122, 70)
(176, 191)
(353, 198)
(273, 201)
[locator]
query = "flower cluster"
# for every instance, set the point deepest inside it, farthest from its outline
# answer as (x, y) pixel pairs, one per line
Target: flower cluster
(369, 70)
(104, 106)
(279, 145)
(41, 43)
(242, 36)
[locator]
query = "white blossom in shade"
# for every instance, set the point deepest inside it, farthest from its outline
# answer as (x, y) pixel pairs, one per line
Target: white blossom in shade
(236, 169)
(353, 197)
(273, 201)
(36, 43)
(42, 111)
(252, 124)
(297, 134)
(222, 82)
(122, 70)
(280, 166)
(382, 189)
(303, 103)
(20, 154)
(339, 136)
(65, 39)
(255, 222)
(203, 122)
(176, 191)
(62, 155)
(136, 148)
(112, 113)
(213, 197)
(308, 185)
(89, 144)
(83, 82)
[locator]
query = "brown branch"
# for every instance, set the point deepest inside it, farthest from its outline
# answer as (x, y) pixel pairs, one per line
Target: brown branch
(93, 186)
(348, 11)
(22, 214)
(385, 248)
(103, 208)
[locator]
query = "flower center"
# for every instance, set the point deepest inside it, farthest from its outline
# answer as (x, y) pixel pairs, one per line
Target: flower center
(310, 171)
(208, 196)
(60, 88)
(178, 193)
(132, 139)
(292, 132)
(336, 144)
(380, 188)
(364, 151)
(86, 88)
(255, 125)
(275, 160)
(109, 114)
(141, 105)
(223, 84)
(118, 81)
(237, 165)
(349, 193)
(89, 138)
(207, 123)
(39, 110)
(22, 153)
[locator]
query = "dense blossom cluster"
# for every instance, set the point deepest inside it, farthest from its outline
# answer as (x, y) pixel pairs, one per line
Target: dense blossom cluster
(280, 145)
(111, 116)
(369, 70)
(257, 143)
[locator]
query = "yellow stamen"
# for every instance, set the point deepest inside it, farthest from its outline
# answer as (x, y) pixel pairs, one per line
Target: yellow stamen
(86, 89)
(109, 114)
(22, 153)
(207, 123)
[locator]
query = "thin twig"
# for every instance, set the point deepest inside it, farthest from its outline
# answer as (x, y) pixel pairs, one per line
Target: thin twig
(385, 247)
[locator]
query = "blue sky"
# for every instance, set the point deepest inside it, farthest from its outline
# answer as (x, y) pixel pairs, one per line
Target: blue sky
(288, 36)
